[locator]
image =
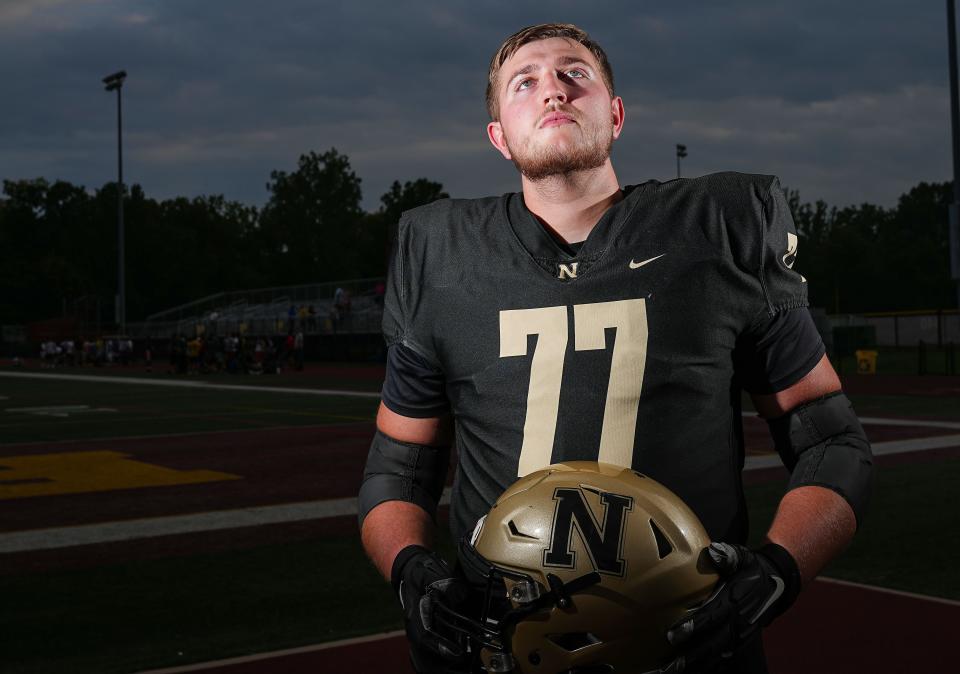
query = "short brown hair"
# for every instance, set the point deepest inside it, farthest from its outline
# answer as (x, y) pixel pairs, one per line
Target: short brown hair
(541, 31)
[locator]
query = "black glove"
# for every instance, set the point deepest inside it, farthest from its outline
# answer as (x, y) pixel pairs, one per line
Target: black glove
(422, 579)
(755, 587)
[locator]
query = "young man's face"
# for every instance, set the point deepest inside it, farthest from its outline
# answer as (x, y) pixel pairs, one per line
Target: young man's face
(556, 114)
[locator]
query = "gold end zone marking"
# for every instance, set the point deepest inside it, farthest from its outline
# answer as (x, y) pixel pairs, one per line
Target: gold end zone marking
(84, 472)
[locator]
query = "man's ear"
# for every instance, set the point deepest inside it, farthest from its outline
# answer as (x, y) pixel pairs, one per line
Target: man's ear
(497, 139)
(616, 109)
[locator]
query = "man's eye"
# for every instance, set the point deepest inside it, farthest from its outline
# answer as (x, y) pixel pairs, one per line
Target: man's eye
(576, 73)
(524, 84)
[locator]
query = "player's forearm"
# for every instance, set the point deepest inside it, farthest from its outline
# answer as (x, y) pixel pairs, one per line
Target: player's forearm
(392, 526)
(814, 524)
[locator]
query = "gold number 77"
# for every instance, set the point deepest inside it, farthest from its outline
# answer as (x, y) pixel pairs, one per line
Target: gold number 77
(629, 317)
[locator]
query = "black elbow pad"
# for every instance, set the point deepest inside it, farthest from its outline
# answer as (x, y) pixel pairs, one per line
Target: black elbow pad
(402, 471)
(823, 444)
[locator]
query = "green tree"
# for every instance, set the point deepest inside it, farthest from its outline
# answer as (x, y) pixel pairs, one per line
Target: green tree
(312, 221)
(379, 227)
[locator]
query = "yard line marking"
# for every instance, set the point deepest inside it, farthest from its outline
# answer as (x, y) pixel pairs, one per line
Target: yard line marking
(200, 666)
(879, 449)
(192, 384)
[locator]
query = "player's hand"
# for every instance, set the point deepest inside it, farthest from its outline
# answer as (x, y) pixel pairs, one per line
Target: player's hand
(423, 579)
(755, 587)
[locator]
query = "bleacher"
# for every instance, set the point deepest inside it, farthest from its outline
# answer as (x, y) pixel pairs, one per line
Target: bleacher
(266, 311)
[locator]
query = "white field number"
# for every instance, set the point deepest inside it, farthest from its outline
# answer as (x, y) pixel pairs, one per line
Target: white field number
(629, 317)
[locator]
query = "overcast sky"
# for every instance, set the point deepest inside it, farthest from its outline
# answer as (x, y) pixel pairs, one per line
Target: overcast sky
(845, 101)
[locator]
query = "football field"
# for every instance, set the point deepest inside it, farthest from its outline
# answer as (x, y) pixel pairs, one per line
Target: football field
(207, 523)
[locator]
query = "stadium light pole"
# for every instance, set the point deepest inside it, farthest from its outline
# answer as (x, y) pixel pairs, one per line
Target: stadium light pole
(681, 153)
(954, 221)
(114, 82)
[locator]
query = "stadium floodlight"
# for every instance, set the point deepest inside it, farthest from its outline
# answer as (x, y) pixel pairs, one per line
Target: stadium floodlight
(114, 82)
(681, 153)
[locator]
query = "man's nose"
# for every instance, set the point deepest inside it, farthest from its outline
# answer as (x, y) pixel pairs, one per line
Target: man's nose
(557, 90)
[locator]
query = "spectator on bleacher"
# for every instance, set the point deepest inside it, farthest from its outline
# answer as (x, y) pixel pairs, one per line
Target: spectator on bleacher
(286, 354)
(89, 352)
(271, 364)
(311, 319)
(302, 315)
(46, 355)
(341, 301)
(67, 347)
(193, 355)
(298, 350)
(231, 347)
(258, 355)
(125, 348)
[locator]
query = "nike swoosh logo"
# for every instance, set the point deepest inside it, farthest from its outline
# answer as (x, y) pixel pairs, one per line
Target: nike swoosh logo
(637, 265)
(777, 591)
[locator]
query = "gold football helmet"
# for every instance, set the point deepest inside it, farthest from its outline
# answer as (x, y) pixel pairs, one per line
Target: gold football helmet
(586, 565)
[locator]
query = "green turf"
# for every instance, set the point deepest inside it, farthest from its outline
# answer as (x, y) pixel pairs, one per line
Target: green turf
(127, 617)
(124, 617)
(910, 538)
(155, 410)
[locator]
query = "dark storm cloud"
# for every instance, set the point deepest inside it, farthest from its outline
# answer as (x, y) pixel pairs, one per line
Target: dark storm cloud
(846, 101)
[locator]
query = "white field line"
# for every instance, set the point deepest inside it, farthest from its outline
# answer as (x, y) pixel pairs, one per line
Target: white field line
(278, 654)
(126, 530)
(883, 421)
(886, 590)
(879, 449)
(191, 384)
(153, 527)
(391, 635)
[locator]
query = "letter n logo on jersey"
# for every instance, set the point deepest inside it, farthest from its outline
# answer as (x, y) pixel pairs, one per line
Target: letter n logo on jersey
(567, 270)
(603, 541)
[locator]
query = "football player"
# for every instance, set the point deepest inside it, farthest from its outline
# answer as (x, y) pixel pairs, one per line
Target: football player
(584, 320)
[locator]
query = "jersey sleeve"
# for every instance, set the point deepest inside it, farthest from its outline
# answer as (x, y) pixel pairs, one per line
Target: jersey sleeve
(777, 351)
(405, 316)
(412, 388)
(783, 288)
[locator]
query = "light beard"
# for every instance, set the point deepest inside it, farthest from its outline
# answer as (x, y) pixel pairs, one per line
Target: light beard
(543, 163)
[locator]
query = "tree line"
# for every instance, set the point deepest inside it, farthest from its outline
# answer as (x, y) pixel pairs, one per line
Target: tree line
(869, 258)
(58, 243)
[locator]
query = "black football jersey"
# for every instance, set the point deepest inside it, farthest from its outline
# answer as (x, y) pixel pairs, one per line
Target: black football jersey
(620, 351)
